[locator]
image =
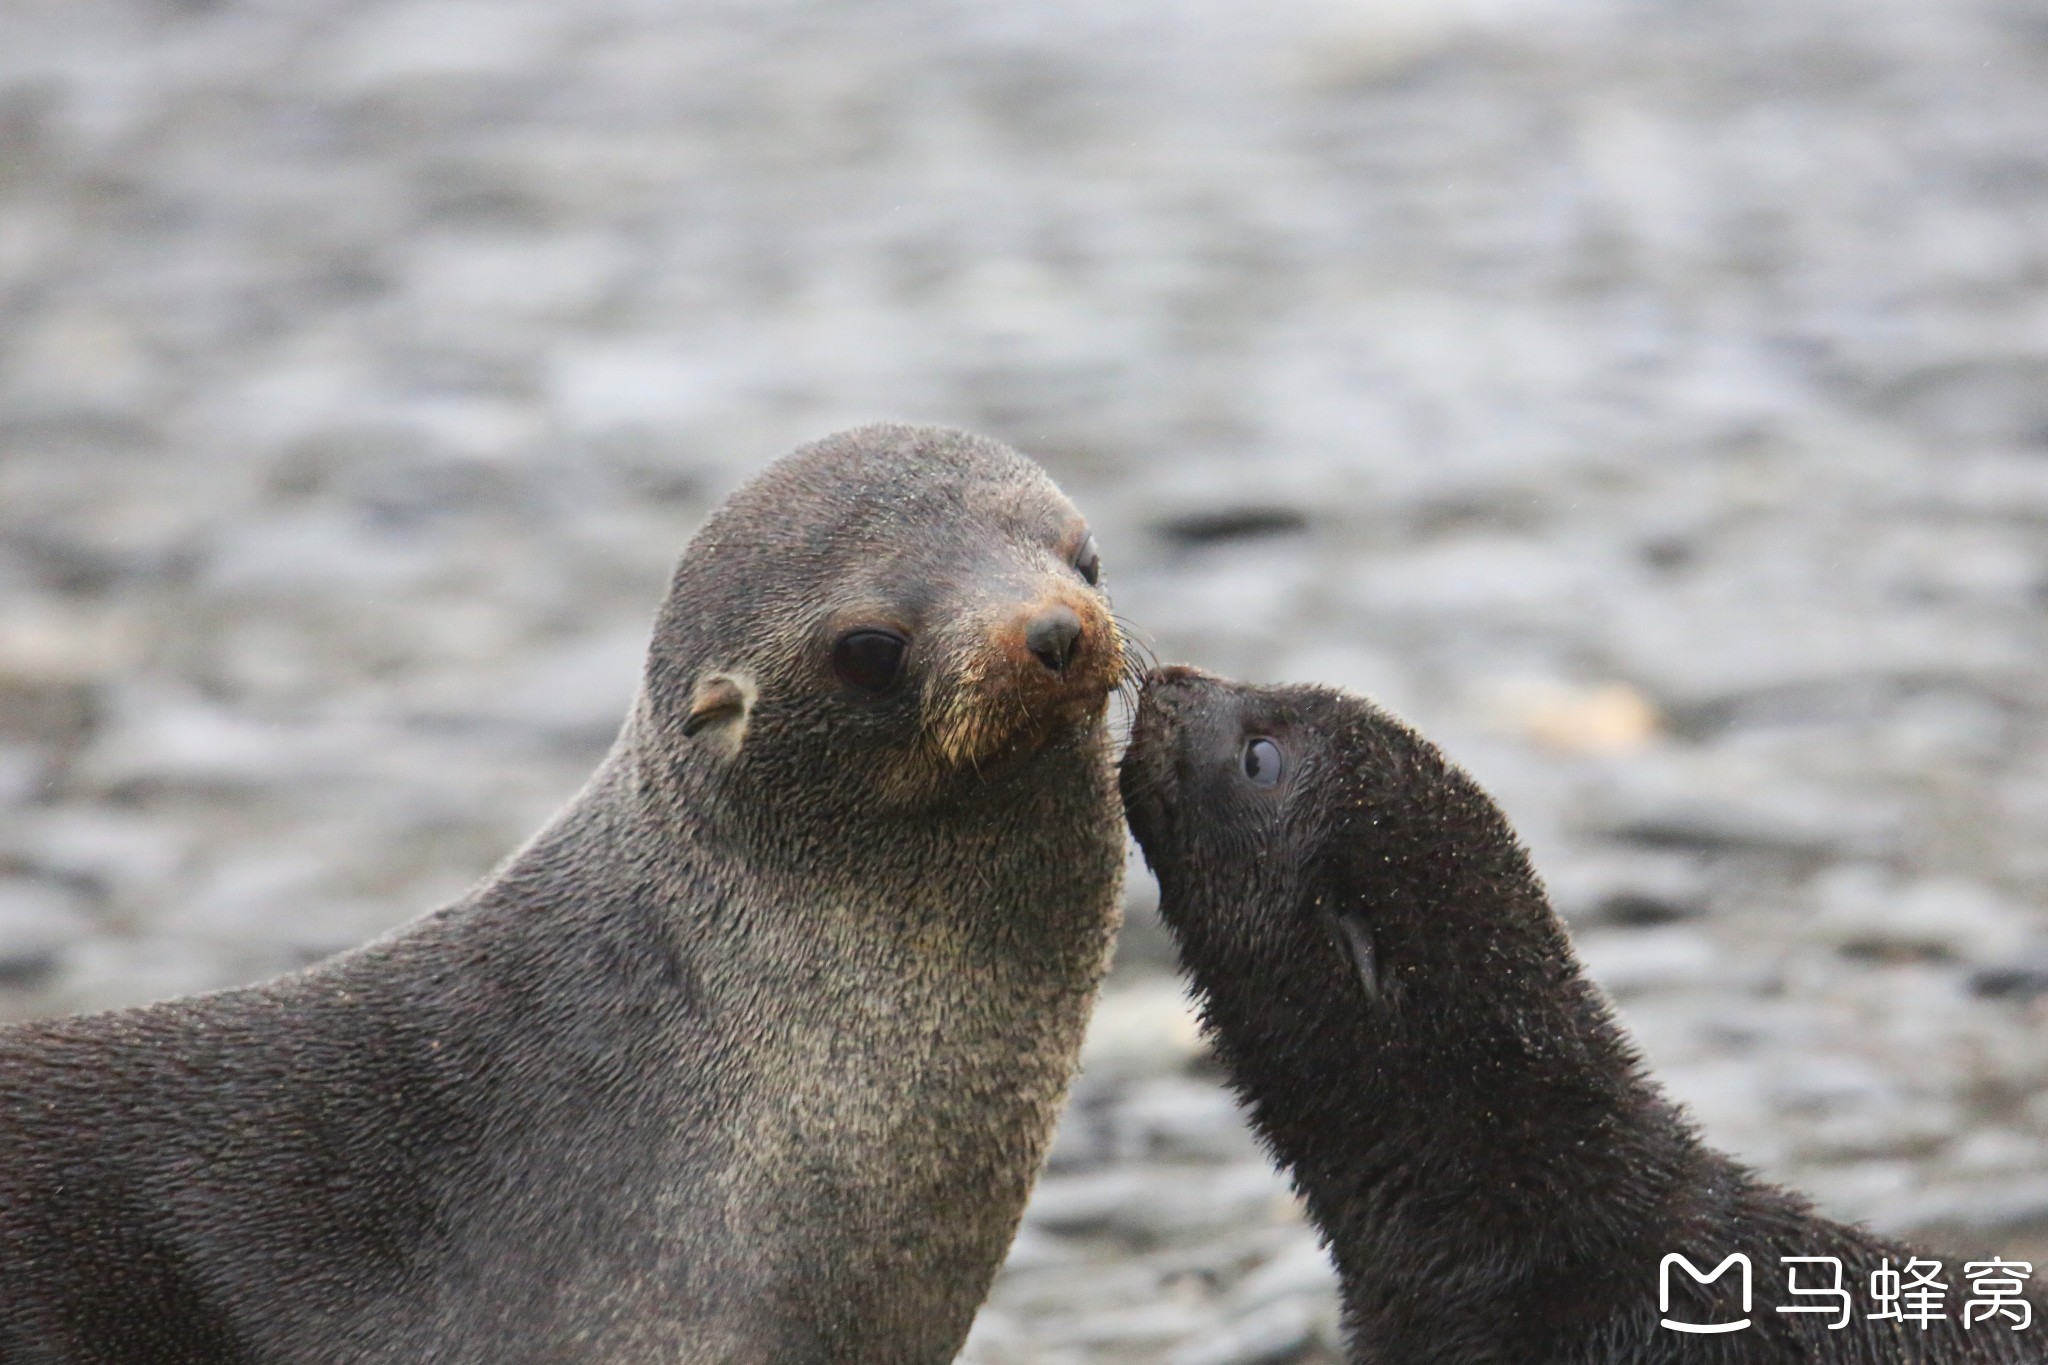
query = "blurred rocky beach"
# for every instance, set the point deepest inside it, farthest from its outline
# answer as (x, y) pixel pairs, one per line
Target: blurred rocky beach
(1650, 402)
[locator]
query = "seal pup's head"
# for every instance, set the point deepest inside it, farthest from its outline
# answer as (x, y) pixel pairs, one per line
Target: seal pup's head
(898, 614)
(1338, 889)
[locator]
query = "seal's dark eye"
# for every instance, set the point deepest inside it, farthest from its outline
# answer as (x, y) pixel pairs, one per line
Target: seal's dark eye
(1262, 761)
(871, 660)
(1088, 561)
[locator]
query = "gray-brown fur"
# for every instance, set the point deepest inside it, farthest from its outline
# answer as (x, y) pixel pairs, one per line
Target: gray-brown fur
(1385, 982)
(749, 1056)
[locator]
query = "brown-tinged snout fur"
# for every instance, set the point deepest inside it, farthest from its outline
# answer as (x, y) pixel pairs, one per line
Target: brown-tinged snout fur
(1012, 689)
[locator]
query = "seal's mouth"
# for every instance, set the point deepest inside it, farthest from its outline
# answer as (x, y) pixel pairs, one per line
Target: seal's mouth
(1155, 763)
(1044, 672)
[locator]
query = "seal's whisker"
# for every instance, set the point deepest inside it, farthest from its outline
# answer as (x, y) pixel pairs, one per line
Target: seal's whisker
(1139, 661)
(1139, 651)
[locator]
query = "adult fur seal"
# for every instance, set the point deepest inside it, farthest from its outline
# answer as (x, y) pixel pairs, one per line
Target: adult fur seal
(1389, 990)
(749, 1056)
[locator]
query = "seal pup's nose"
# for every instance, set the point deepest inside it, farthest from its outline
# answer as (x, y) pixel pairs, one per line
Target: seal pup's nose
(1052, 636)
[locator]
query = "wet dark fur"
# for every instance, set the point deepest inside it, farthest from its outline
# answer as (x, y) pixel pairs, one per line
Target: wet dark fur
(1384, 979)
(750, 1056)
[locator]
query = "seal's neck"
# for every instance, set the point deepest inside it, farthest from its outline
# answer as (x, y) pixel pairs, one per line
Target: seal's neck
(1472, 1131)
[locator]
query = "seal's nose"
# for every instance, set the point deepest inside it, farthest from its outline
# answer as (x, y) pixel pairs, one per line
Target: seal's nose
(1052, 637)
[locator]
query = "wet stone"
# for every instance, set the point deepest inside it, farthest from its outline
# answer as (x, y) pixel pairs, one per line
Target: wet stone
(1872, 913)
(1235, 523)
(1630, 961)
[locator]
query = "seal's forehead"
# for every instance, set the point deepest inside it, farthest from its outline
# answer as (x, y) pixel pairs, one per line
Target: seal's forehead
(870, 479)
(1309, 708)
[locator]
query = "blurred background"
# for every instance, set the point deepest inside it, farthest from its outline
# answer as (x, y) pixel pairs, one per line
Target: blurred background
(1650, 401)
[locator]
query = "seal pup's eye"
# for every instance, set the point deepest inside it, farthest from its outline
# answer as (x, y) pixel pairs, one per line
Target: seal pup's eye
(1088, 562)
(1262, 762)
(871, 660)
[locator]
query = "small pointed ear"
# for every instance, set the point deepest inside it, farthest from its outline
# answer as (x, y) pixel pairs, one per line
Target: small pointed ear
(719, 708)
(1354, 940)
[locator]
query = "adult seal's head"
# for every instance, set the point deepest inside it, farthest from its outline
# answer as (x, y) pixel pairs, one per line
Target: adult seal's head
(889, 618)
(1388, 988)
(751, 1055)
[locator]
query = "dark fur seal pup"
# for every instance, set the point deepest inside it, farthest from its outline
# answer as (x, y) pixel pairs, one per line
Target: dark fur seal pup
(1496, 1177)
(749, 1056)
